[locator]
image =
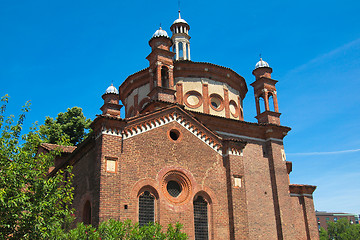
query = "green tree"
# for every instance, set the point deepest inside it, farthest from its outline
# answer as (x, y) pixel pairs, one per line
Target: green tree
(323, 234)
(71, 125)
(112, 229)
(32, 205)
(341, 230)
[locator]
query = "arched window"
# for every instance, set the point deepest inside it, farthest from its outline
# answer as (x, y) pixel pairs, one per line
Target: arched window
(271, 103)
(262, 104)
(87, 213)
(201, 219)
(165, 77)
(146, 208)
(181, 50)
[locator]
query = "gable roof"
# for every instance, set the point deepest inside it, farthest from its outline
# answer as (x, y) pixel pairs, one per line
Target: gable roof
(50, 147)
(160, 117)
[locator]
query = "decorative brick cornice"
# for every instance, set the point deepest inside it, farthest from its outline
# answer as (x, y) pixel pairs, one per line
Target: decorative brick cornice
(234, 151)
(297, 190)
(146, 126)
(147, 122)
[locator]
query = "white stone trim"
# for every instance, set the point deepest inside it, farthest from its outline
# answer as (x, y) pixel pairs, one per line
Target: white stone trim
(249, 138)
(233, 151)
(148, 126)
(145, 127)
(300, 195)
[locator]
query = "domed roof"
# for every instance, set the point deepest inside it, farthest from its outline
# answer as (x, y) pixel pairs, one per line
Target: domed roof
(111, 89)
(160, 33)
(180, 20)
(261, 63)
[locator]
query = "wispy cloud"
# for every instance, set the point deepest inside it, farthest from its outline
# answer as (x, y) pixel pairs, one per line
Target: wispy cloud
(326, 56)
(325, 153)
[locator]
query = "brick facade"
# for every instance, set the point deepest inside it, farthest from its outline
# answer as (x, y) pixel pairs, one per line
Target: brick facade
(237, 167)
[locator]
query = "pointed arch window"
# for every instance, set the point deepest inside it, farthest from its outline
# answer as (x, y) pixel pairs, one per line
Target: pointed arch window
(146, 208)
(201, 219)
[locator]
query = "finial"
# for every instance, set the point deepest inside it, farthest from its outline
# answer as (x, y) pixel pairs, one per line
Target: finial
(160, 26)
(179, 8)
(260, 56)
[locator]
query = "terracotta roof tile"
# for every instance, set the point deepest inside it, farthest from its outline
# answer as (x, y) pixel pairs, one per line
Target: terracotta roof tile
(50, 147)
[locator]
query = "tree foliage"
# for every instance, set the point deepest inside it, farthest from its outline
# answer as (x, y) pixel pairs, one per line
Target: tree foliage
(341, 230)
(71, 125)
(36, 206)
(32, 205)
(323, 234)
(112, 229)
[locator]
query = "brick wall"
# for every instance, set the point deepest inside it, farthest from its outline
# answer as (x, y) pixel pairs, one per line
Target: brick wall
(260, 205)
(86, 185)
(144, 161)
(260, 208)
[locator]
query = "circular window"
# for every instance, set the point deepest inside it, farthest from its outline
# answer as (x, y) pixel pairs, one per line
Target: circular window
(176, 187)
(173, 188)
(174, 134)
(234, 108)
(193, 99)
(216, 102)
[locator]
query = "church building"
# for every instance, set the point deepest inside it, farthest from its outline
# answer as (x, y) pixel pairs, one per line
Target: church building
(183, 153)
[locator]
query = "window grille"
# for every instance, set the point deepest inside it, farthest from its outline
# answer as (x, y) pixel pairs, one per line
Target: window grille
(174, 189)
(201, 219)
(146, 208)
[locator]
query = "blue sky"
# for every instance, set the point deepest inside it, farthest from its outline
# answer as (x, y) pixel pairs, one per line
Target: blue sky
(61, 54)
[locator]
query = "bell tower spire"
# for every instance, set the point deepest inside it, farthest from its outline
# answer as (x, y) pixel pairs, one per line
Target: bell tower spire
(161, 67)
(181, 39)
(264, 89)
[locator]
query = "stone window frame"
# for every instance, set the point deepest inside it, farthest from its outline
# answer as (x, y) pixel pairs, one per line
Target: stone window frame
(180, 135)
(237, 109)
(182, 180)
(108, 158)
(221, 106)
(195, 93)
(208, 200)
(153, 192)
(241, 181)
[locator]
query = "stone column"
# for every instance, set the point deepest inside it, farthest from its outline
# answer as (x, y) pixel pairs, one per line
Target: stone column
(184, 50)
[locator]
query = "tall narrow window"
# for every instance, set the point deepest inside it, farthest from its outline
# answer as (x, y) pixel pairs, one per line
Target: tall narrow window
(181, 50)
(87, 213)
(262, 104)
(271, 103)
(165, 77)
(201, 219)
(146, 208)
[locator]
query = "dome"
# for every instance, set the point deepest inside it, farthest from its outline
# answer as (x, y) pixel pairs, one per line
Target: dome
(160, 33)
(180, 20)
(261, 63)
(111, 89)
